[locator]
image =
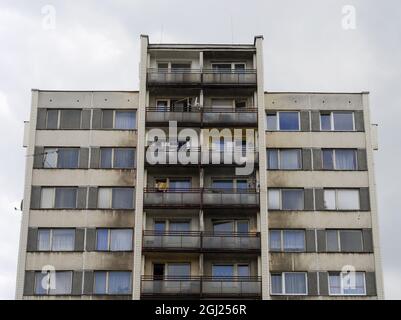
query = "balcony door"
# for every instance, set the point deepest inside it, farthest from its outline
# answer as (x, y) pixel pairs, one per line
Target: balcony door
(180, 184)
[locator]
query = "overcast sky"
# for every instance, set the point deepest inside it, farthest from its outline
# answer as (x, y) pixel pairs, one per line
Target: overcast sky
(95, 45)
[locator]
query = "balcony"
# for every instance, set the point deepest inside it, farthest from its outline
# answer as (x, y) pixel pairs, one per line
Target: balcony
(239, 117)
(183, 241)
(201, 287)
(157, 116)
(229, 77)
(171, 198)
(218, 197)
(181, 76)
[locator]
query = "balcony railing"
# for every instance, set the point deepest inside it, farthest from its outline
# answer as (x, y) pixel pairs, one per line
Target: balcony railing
(201, 241)
(191, 116)
(158, 76)
(201, 197)
(235, 287)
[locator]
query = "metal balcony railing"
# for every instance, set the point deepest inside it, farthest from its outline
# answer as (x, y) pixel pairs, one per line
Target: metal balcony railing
(218, 197)
(205, 286)
(201, 241)
(156, 197)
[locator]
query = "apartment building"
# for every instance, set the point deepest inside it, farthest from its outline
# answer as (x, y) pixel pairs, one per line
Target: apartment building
(129, 195)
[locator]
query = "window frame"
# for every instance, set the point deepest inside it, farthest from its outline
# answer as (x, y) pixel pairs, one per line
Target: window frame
(51, 230)
(280, 190)
(283, 292)
(277, 114)
(338, 236)
(111, 191)
(107, 288)
(282, 249)
(331, 113)
(48, 289)
(279, 150)
(337, 199)
(53, 199)
(109, 238)
(334, 158)
(112, 160)
(232, 63)
(340, 274)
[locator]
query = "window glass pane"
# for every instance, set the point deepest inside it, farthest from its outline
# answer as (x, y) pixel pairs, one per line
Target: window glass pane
(330, 199)
(52, 119)
(100, 283)
(327, 156)
(44, 240)
(242, 185)
(274, 199)
(294, 240)
(332, 240)
(123, 158)
(335, 284)
(348, 199)
(277, 285)
(222, 271)
(125, 120)
(178, 269)
(275, 240)
(161, 105)
(289, 121)
(343, 121)
(70, 119)
(50, 158)
(351, 240)
(66, 198)
(160, 226)
(102, 239)
(179, 226)
(222, 103)
(345, 159)
(121, 240)
(180, 184)
(295, 283)
(119, 282)
(243, 226)
(221, 66)
(63, 283)
(67, 158)
(63, 239)
(243, 271)
(105, 158)
(47, 198)
(325, 121)
(122, 198)
(272, 158)
(104, 198)
(271, 121)
(290, 159)
(223, 184)
(41, 283)
(353, 283)
(180, 66)
(223, 226)
(292, 199)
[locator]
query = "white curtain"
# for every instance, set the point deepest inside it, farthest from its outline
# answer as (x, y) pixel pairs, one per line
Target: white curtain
(123, 158)
(272, 159)
(105, 158)
(66, 197)
(44, 240)
(295, 283)
(119, 282)
(294, 240)
(122, 198)
(345, 160)
(63, 283)
(275, 240)
(63, 239)
(290, 159)
(348, 199)
(276, 284)
(100, 282)
(125, 120)
(121, 240)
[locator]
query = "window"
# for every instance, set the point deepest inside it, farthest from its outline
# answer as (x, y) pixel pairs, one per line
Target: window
(61, 284)
(229, 67)
(125, 120)
(341, 199)
(66, 198)
(231, 184)
(337, 121)
(284, 159)
(70, 119)
(286, 199)
(52, 119)
(289, 283)
(339, 159)
(344, 240)
(47, 198)
(179, 184)
(283, 120)
(119, 158)
(287, 240)
(56, 239)
(112, 282)
(229, 226)
(347, 283)
(178, 269)
(50, 158)
(62, 158)
(115, 198)
(114, 239)
(230, 270)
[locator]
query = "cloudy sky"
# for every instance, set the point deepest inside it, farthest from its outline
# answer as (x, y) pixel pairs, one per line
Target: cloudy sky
(95, 45)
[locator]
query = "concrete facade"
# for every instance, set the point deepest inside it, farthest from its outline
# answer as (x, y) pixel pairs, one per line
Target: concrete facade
(173, 212)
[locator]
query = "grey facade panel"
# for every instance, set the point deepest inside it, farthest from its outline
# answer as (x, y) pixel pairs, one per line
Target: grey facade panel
(362, 160)
(90, 239)
(97, 119)
(367, 240)
(305, 123)
(308, 200)
(32, 244)
(29, 283)
(35, 197)
(41, 119)
(107, 119)
(317, 159)
(95, 158)
(88, 282)
(81, 199)
(323, 283)
(79, 239)
(38, 157)
(312, 284)
(86, 119)
(306, 159)
(364, 199)
(83, 158)
(321, 240)
(76, 283)
(359, 121)
(310, 239)
(370, 279)
(315, 115)
(92, 198)
(319, 199)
